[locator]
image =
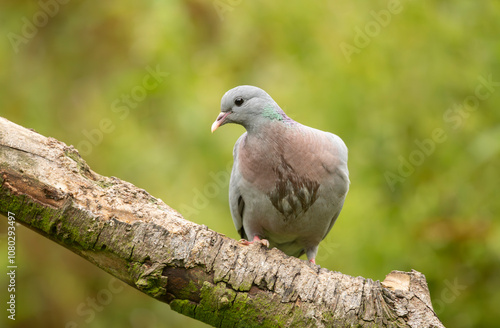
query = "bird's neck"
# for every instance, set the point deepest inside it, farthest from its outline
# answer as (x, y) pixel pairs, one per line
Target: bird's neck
(264, 129)
(272, 119)
(270, 134)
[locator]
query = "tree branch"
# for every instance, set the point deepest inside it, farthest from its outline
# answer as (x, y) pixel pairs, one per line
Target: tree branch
(200, 273)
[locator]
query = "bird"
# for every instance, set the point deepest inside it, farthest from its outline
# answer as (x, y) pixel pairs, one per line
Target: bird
(288, 181)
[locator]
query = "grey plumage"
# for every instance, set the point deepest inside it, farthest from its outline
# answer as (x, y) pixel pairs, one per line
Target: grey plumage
(289, 181)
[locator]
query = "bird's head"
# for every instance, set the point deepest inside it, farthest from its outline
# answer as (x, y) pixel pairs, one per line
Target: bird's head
(248, 106)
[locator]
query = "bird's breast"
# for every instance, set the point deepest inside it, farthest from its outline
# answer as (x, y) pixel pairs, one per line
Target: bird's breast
(282, 170)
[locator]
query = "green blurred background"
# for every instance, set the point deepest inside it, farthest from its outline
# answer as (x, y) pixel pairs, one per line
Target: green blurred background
(382, 75)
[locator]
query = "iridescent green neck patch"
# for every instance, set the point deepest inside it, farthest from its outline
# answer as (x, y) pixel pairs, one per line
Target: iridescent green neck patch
(271, 113)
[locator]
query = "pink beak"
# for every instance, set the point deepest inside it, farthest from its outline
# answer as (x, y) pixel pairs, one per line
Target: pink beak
(220, 119)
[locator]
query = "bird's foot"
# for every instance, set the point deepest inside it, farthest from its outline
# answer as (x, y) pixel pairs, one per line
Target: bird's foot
(256, 239)
(313, 261)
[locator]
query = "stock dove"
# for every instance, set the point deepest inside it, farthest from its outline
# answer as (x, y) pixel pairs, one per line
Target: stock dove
(289, 181)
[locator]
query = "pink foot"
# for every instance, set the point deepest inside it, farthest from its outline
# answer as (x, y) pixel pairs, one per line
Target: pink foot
(256, 239)
(313, 261)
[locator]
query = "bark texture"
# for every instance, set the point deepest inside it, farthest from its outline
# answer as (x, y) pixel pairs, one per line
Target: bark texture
(198, 272)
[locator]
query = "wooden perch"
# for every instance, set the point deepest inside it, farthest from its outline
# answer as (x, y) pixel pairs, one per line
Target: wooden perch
(200, 273)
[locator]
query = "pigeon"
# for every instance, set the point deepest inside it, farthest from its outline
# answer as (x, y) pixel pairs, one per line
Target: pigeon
(288, 182)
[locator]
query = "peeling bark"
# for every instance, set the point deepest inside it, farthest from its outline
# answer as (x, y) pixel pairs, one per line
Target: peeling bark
(200, 273)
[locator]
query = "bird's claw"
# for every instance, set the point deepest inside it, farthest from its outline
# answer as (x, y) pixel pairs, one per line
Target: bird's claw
(265, 242)
(256, 239)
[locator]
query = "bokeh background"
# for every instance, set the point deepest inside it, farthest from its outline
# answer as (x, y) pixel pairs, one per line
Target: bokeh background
(413, 88)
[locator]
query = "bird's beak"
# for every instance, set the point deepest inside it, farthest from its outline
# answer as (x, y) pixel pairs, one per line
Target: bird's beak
(220, 119)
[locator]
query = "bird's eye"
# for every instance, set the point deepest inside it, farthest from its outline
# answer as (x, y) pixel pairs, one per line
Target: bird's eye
(238, 101)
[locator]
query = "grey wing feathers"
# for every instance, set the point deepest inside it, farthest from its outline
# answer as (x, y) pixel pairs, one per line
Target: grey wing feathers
(341, 175)
(341, 156)
(236, 202)
(339, 144)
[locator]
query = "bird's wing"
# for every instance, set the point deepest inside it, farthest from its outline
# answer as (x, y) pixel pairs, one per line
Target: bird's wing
(339, 177)
(236, 202)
